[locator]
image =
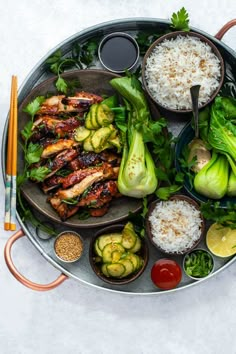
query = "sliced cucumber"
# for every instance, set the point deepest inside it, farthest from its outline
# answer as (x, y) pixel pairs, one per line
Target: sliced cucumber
(87, 144)
(97, 249)
(137, 246)
(104, 270)
(115, 270)
(129, 268)
(81, 133)
(100, 138)
(88, 121)
(104, 116)
(135, 259)
(109, 249)
(129, 236)
(94, 111)
(116, 142)
(103, 240)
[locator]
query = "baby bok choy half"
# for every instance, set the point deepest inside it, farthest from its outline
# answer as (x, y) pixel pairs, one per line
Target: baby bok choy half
(212, 180)
(137, 177)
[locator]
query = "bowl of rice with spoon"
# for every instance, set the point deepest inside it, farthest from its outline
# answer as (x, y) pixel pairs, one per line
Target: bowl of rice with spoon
(177, 61)
(175, 226)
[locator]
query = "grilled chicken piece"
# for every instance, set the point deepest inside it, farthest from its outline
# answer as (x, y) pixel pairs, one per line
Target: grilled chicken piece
(60, 161)
(86, 159)
(78, 188)
(51, 183)
(79, 103)
(65, 211)
(48, 125)
(77, 176)
(100, 194)
(57, 146)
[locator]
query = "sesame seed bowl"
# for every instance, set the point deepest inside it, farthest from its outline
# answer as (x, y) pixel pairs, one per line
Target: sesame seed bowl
(175, 226)
(68, 246)
(177, 61)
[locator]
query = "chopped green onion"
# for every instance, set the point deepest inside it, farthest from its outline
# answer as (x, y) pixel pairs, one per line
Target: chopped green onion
(198, 264)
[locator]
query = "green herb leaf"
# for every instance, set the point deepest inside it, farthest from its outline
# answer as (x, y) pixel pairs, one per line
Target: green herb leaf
(27, 131)
(180, 20)
(39, 173)
(61, 85)
(33, 153)
(33, 107)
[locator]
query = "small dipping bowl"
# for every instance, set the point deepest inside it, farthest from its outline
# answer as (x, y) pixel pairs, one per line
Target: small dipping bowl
(198, 259)
(118, 52)
(68, 246)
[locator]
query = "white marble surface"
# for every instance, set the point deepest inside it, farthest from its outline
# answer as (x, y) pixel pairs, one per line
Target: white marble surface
(75, 318)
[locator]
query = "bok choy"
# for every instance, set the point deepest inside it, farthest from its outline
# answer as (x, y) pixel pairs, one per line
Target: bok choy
(222, 132)
(137, 176)
(212, 180)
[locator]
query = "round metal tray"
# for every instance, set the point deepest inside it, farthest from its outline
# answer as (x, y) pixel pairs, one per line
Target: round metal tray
(82, 271)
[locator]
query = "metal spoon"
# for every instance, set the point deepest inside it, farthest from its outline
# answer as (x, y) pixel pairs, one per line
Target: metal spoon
(197, 147)
(194, 91)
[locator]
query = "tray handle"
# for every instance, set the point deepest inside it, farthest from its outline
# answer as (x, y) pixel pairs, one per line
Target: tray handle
(219, 35)
(34, 286)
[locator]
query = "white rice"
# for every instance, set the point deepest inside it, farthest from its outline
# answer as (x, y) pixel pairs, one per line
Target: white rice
(177, 64)
(175, 225)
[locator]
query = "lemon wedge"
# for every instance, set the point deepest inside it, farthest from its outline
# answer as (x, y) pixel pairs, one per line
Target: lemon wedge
(221, 241)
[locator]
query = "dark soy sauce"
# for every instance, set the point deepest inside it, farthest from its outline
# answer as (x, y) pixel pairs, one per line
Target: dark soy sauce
(118, 53)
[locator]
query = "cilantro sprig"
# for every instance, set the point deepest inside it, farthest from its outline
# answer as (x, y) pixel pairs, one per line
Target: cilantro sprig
(225, 216)
(82, 56)
(180, 20)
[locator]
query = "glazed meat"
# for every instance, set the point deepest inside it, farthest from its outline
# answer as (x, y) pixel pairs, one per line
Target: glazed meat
(86, 159)
(47, 125)
(78, 175)
(78, 103)
(75, 179)
(99, 194)
(58, 146)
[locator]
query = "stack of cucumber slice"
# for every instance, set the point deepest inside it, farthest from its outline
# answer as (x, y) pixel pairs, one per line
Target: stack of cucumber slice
(117, 252)
(98, 133)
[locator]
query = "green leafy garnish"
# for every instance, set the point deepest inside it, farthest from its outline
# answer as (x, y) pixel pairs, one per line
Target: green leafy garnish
(180, 20)
(82, 57)
(38, 174)
(33, 107)
(224, 216)
(33, 153)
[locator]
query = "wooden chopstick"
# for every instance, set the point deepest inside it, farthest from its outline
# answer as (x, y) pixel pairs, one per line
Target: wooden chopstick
(11, 165)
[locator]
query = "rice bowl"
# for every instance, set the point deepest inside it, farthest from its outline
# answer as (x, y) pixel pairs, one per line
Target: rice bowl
(175, 226)
(177, 61)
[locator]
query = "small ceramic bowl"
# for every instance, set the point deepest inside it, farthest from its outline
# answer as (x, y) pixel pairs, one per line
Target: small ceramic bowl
(171, 37)
(118, 52)
(176, 231)
(96, 265)
(198, 264)
(68, 246)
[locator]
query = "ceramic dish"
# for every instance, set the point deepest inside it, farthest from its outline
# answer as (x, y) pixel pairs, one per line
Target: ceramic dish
(171, 37)
(96, 265)
(156, 225)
